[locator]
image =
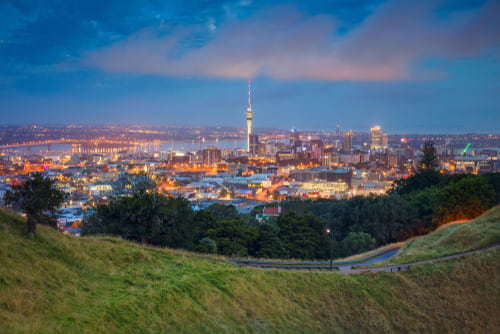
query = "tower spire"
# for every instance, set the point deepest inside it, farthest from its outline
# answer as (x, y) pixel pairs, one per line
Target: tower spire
(249, 116)
(249, 103)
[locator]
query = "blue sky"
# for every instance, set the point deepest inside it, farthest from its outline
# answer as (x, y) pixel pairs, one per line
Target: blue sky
(429, 66)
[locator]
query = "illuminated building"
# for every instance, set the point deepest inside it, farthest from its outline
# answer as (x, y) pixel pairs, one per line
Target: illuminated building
(295, 142)
(284, 155)
(316, 151)
(320, 179)
(348, 140)
(254, 144)
(376, 138)
(177, 158)
(294, 137)
(211, 156)
(385, 140)
(249, 115)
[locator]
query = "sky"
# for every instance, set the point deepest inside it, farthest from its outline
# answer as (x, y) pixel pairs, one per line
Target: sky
(427, 66)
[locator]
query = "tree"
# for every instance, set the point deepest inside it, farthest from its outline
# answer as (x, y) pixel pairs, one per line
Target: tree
(142, 182)
(430, 160)
(420, 181)
(268, 244)
(222, 211)
(207, 245)
(146, 218)
(304, 237)
(427, 174)
(493, 179)
(357, 242)
(465, 199)
(423, 205)
(35, 196)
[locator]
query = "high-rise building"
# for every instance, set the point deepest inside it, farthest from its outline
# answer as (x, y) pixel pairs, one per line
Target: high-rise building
(294, 137)
(376, 138)
(295, 142)
(339, 130)
(254, 144)
(317, 147)
(385, 140)
(249, 116)
(348, 140)
(211, 156)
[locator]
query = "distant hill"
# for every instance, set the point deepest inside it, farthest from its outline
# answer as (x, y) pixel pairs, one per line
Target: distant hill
(62, 284)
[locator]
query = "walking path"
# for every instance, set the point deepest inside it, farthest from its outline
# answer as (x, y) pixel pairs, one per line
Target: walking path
(376, 257)
(352, 267)
(406, 266)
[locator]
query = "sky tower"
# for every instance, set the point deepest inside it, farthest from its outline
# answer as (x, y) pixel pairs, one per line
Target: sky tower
(249, 115)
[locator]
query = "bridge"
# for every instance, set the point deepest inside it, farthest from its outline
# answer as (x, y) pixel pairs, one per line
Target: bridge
(86, 145)
(37, 143)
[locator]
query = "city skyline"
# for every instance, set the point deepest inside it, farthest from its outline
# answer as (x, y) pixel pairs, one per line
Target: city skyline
(415, 67)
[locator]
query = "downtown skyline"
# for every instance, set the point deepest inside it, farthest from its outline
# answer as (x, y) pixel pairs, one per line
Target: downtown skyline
(416, 67)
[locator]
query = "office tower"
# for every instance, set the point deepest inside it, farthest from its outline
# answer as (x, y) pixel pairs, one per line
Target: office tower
(385, 140)
(254, 144)
(348, 140)
(295, 142)
(294, 137)
(317, 148)
(376, 138)
(211, 156)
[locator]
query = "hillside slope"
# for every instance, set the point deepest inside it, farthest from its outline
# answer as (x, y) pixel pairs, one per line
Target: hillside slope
(453, 238)
(62, 284)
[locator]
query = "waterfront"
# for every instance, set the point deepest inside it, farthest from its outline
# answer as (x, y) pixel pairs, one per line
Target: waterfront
(147, 147)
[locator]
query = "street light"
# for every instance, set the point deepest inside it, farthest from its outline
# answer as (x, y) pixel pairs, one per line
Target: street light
(330, 231)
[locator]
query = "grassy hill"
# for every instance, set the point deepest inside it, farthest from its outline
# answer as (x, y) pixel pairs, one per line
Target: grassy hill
(453, 238)
(62, 284)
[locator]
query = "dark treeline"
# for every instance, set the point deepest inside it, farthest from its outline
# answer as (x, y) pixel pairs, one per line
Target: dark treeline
(157, 220)
(413, 206)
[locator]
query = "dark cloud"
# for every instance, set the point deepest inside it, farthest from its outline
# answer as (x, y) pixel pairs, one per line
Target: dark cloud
(281, 42)
(48, 32)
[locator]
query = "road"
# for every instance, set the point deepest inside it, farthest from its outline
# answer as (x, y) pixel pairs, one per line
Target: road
(263, 195)
(385, 256)
(406, 266)
(380, 256)
(353, 267)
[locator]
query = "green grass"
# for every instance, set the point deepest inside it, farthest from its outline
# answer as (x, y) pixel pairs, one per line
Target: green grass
(62, 284)
(453, 238)
(370, 253)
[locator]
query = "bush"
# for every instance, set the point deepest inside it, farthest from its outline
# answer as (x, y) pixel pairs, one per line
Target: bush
(357, 242)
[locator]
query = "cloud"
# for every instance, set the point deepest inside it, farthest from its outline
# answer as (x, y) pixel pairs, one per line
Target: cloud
(400, 33)
(283, 43)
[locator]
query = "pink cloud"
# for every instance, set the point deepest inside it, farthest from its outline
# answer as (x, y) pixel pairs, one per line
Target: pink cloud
(284, 44)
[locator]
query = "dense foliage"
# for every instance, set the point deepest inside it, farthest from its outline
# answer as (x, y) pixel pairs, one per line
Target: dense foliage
(416, 206)
(429, 160)
(357, 242)
(34, 197)
(146, 218)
